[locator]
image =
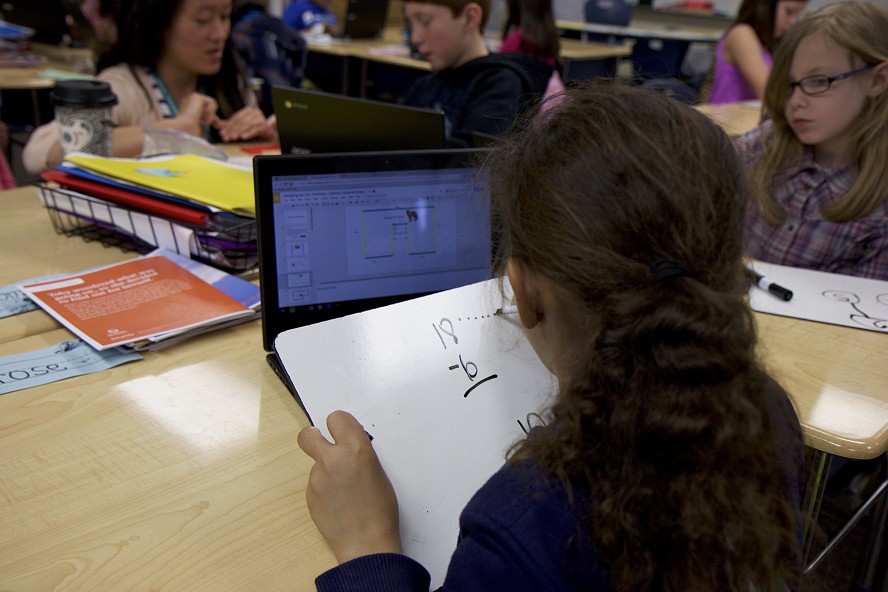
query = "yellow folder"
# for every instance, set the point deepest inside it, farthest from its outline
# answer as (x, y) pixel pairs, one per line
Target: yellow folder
(193, 177)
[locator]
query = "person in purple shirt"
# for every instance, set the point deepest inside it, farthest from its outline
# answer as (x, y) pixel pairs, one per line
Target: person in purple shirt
(742, 57)
(669, 460)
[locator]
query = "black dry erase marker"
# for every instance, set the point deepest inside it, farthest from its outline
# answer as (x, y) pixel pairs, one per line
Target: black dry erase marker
(506, 310)
(775, 289)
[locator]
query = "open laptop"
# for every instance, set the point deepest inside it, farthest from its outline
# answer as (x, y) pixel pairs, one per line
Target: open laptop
(344, 233)
(313, 121)
(363, 19)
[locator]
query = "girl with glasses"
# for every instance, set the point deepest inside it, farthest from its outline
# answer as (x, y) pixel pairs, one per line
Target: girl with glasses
(820, 184)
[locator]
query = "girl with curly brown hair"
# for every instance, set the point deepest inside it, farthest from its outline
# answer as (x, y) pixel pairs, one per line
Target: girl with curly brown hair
(670, 461)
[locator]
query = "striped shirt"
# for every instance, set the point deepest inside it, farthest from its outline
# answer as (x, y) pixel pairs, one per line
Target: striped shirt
(804, 238)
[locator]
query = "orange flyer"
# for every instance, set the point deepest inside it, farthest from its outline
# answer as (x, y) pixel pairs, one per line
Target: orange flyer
(133, 300)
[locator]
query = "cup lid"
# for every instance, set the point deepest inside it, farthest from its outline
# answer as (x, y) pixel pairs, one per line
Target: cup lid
(83, 93)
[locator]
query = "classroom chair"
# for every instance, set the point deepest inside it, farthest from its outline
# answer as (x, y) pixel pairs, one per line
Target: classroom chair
(658, 58)
(604, 12)
(607, 12)
(872, 566)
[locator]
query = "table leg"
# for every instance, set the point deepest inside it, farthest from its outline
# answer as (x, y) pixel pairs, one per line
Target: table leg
(813, 497)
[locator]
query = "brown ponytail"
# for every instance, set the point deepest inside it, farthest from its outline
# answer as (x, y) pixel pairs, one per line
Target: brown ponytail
(663, 419)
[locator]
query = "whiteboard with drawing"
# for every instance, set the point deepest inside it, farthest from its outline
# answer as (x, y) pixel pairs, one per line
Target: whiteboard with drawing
(832, 298)
(443, 386)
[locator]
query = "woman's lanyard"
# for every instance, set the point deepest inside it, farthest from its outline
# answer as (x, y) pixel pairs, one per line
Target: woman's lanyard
(168, 106)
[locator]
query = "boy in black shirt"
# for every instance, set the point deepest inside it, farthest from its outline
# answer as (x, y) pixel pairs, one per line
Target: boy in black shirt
(476, 90)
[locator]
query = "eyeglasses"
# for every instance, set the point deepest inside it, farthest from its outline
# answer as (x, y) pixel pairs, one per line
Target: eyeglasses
(819, 84)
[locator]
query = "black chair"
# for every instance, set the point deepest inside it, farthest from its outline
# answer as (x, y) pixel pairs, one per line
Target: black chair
(658, 58)
(607, 12)
(603, 12)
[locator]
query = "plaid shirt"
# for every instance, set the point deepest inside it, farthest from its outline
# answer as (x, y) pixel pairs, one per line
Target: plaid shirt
(805, 238)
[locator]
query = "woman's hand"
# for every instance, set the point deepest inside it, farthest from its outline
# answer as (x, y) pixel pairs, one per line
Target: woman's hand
(349, 496)
(246, 124)
(196, 111)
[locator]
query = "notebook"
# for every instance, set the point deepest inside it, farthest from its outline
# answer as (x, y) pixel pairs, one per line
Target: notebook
(344, 233)
(313, 121)
(363, 19)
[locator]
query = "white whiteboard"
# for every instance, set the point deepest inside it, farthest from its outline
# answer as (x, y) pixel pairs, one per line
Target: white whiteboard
(832, 298)
(442, 385)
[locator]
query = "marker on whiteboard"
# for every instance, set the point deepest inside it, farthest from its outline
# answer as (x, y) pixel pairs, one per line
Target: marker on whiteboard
(769, 286)
(508, 309)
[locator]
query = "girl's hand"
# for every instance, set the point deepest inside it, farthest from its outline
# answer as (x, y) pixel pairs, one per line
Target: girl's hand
(246, 124)
(349, 496)
(196, 111)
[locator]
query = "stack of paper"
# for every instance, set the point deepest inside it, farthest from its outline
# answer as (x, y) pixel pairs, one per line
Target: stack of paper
(146, 303)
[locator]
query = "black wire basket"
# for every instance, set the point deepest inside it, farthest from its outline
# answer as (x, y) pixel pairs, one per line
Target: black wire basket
(225, 241)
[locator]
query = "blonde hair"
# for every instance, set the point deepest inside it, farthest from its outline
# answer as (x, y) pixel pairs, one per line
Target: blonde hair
(861, 28)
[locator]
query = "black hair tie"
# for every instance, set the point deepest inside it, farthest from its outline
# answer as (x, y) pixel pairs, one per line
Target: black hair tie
(664, 269)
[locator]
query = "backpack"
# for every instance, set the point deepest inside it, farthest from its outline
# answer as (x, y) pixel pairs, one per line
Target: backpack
(271, 51)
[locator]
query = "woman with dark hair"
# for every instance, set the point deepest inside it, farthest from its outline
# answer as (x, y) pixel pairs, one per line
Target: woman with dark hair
(670, 461)
(530, 28)
(173, 67)
(742, 57)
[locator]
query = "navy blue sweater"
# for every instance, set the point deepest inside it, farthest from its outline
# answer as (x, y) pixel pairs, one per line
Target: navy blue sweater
(483, 95)
(519, 533)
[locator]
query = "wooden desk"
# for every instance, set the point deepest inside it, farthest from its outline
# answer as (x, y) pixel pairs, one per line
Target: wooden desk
(734, 118)
(347, 59)
(182, 471)
(574, 53)
(650, 30)
(178, 472)
(65, 59)
(575, 49)
(589, 59)
(387, 58)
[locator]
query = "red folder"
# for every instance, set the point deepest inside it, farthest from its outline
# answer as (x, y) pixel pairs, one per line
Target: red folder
(128, 199)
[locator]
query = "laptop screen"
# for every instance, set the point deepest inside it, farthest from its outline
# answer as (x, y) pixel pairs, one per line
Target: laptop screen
(341, 234)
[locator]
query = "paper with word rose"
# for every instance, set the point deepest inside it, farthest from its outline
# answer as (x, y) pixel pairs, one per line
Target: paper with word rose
(132, 300)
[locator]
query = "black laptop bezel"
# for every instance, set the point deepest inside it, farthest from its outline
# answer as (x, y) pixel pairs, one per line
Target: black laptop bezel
(265, 168)
(357, 125)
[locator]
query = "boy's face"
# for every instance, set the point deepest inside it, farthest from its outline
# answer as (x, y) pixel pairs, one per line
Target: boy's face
(443, 39)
